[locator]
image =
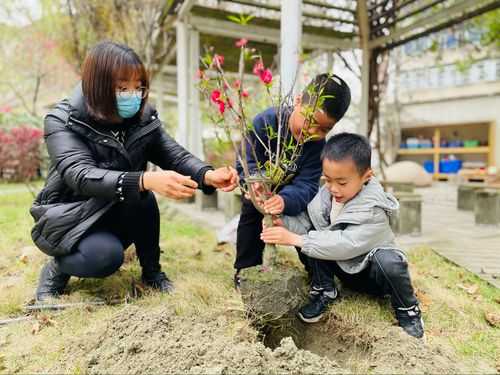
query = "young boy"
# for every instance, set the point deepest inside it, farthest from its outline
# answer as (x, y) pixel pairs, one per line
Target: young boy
(293, 197)
(345, 232)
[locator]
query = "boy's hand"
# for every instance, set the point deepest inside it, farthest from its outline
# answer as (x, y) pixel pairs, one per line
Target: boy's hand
(278, 222)
(225, 178)
(280, 236)
(274, 205)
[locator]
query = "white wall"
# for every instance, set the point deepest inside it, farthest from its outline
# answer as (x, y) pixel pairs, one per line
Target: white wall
(456, 111)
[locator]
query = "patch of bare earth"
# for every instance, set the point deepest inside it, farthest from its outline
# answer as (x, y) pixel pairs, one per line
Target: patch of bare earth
(136, 341)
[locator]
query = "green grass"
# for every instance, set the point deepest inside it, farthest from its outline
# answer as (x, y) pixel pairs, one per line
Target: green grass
(202, 273)
(452, 314)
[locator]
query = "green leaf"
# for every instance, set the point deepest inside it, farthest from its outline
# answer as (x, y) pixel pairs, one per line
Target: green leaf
(235, 19)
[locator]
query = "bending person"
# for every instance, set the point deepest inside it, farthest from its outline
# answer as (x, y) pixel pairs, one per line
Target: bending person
(98, 198)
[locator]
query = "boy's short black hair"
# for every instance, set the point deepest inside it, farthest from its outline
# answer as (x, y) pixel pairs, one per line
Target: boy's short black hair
(344, 146)
(334, 86)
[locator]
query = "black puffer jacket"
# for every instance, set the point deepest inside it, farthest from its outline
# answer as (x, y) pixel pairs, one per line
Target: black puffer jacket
(91, 170)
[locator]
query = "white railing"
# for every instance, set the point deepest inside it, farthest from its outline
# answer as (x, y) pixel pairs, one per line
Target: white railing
(450, 75)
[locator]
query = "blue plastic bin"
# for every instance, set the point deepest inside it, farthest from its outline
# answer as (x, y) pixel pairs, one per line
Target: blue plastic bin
(429, 166)
(450, 166)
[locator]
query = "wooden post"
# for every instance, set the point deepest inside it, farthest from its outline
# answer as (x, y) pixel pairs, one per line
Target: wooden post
(195, 128)
(364, 28)
(182, 134)
(291, 44)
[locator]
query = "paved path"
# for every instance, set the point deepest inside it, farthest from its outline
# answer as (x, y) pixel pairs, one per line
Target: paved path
(454, 235)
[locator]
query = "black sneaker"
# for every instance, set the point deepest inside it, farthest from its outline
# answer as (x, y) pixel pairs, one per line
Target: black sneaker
(410, 319)
(52, 282)
(159, 281)
(237, 280)
(317, 306)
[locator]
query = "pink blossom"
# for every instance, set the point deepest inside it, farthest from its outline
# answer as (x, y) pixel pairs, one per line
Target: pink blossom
(237, 84)
(244, 93)
(6, 109)
(241, 43)
(215, 96)
(229, 103)
(258, 67)
(219, 59)
(200, 74)
(266, 76)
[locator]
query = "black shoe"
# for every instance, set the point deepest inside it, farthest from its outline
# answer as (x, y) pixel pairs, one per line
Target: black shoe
(159, 281)
(237, 280)
(410, 319)
(318, 304)
(52, 282)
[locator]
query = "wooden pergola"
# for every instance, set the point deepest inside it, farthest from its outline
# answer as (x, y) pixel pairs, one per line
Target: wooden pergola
(286, 28)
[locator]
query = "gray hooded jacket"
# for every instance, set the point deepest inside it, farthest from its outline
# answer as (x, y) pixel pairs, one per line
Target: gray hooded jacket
(360, 229)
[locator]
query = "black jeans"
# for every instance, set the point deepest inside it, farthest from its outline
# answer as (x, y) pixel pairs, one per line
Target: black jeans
(249, 246)
(100, 252)
(387, 273)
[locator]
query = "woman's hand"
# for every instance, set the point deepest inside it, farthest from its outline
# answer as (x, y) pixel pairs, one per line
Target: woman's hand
(225, 178)
(169, 184)
(280, 236)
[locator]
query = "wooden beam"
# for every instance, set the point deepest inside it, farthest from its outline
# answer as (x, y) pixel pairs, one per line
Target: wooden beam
(398, 19)
(326, 4)
(185, 8)
(449, 13)
(445, 25)
(266, 34)
(277, 8)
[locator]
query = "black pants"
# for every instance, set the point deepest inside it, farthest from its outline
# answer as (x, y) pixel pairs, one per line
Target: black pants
(387, 273)
(100, 252)
(249, 246)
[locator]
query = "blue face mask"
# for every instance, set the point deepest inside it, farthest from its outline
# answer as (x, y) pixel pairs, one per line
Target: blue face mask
(128, 105)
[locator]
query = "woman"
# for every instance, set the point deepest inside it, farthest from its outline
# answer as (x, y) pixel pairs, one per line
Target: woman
(98, 197)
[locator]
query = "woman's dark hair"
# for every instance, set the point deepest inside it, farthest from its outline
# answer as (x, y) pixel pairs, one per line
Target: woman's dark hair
(352, 146)
(105, 64)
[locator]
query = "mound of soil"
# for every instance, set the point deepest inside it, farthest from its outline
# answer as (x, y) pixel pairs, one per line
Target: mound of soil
(136, 341)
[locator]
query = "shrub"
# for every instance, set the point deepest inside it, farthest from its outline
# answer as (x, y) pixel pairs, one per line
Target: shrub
(20, 156)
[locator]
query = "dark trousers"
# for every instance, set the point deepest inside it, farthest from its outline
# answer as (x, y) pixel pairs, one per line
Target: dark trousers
(100, 252)
(249, 246)
(387, 273)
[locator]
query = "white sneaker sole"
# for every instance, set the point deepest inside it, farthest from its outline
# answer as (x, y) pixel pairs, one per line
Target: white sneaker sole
(309, 320)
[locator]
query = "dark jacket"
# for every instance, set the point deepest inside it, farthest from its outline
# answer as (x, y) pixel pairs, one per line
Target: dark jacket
(306, 171)
(91, 171)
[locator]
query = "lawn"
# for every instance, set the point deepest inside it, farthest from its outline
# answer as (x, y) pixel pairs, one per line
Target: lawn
(459, 308)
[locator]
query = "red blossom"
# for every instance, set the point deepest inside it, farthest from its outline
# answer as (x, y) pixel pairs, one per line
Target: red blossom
(219, 59)
(266, 76)
(222, 107)
(241, 43)
(244, 93)
(215, 96)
